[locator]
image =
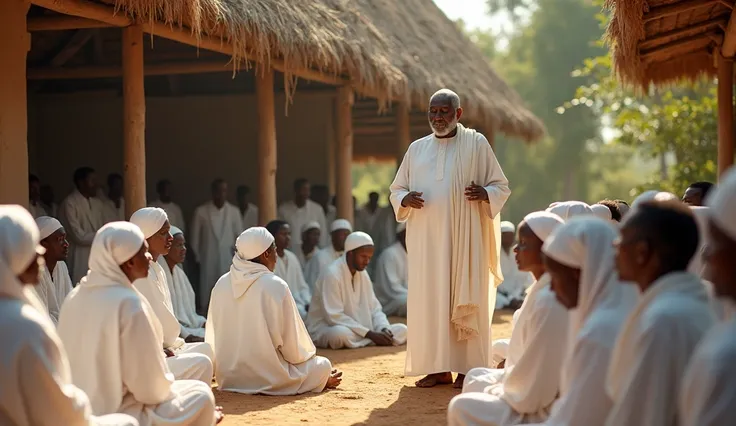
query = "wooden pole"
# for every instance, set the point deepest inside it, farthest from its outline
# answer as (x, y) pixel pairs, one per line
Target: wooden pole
(403, 131)
(331, 153)
(134, 120)
(725, 114)
(266, 147)
(16, 42)
(344, 157)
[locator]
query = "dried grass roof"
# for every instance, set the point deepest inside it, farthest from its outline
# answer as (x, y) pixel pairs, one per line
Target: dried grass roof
(404, 49)
(664, 41)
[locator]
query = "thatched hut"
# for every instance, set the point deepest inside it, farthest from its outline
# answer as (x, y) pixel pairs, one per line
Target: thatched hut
(657, 42)
(199, 80)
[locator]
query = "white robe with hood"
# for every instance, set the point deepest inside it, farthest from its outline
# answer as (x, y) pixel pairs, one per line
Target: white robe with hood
(391, 283)
(289, 269)
(81, 217)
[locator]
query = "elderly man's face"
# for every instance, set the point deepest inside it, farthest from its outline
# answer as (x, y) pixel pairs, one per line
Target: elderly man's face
(442, 116)
(178, 252)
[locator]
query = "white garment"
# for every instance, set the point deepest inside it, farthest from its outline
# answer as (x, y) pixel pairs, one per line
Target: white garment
(82, 217)
(182, 300)
(297, 217)
(212, 239)
(250, 217)
(697, 264)
(391, 283)
(37, 210)
(344, 309)
(173, 211)
(380, 225)
(330, 217)
(431, 166)
(110, 212)
(305, 258)
(289, 270)
(653, 349)
(261, 344)
(52, 289)
(318, 263)
(515, 282)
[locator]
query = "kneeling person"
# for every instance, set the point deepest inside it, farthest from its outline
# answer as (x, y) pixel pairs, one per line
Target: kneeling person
(260, 342)
(344, 312)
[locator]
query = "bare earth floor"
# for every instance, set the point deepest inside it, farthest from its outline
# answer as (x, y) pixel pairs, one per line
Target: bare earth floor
(374, 391)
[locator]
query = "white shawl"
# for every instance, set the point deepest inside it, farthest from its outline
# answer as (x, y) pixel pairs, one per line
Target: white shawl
(182, 300)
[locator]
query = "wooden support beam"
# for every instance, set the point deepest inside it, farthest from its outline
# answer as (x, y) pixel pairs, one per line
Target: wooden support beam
(681, 32)
(63, 22)
(725, 114)
(75, 43)
(676, 8)
(403, 131)
(728, 49)
(169, 68)
(134, 120)
(679, 47)
(98, 46)
(344, 157)
(331, 135)
(86, 9)
(267, 147)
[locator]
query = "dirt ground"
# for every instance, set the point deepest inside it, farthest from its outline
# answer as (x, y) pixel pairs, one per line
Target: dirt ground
(374, 391)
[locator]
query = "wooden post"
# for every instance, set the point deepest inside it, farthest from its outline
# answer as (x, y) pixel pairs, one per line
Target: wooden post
(266, 147)
(331, 152)
(403, 131)
(344, 157)
(15, 44)
(725, 114)
(134, 120)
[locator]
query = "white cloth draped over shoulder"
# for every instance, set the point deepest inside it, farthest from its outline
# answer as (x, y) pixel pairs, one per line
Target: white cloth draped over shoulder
(81, 217)
(453, 248)
(183, 300)
(297, 217)
(53, 286)
(391, 284)
(654, 348)
(344, 309)
(114, 348)
(289, 269)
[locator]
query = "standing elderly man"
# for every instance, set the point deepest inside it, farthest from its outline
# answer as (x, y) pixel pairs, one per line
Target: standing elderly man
(449, 190)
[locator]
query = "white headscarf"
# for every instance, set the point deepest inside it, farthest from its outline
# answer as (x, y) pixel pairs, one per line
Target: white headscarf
(47, 225)
(339, 224)
(356, 240)
(507, 226)
(722, 203)
(175, 231)
(250, 244)
(19, 238)
(653, 195)
(310, 225)
(150, 220)
(543, 223)
(568, 209)
(113, 245)
(601, 211)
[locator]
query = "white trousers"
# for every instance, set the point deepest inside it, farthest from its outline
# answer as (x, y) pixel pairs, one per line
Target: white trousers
(192, 361)
(338, 337)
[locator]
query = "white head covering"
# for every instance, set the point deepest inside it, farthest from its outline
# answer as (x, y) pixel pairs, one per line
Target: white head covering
(401, 227)
(601, 211)
(113, 245)
(507, 226)
(310, 225)
(19, 238)
(356, 240)
(652, 195)
(174, 231)
(150, 220)
(722, 203)
(339, 224)
(253, 242)
(543, 223)
(47, 225)
(568, 209)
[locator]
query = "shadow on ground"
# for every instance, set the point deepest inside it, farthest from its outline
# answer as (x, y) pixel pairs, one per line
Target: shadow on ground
(413, 405)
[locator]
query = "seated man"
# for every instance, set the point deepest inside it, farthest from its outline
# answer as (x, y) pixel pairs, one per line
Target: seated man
(182, 293)
(109, 331)
(344, 312)
(339, 230)
(260, 342)
(311, 233)
(55, 280)
(510, 293)
(288, 267)
(392, 271)
(186, 360)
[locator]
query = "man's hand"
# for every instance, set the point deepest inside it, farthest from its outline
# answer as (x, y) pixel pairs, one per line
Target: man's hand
(193, 339)
(388, 331)
(169, 353)
(334, 380)
(414, 200)
(380, 339)
(475, 192)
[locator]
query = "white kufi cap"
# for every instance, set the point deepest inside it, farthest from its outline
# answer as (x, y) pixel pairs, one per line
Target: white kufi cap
(357, 240)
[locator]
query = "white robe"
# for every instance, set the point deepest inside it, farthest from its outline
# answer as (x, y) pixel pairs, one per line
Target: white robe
(173, 211)
(298, 217)
(81, 217)
(37, 210)
(653, 349)
(344, 309)
(380, 225)
(429, 166)
(183, 300)
(115, 354)
(330, 217)
(53, 289)
(250, 217)
(391, 284)
(305, 258)
(212, 240)
(289, 270)
(318, 263)
(261, 344)
(110, 212)
(36, 386)
(191, 360)
(515, 282)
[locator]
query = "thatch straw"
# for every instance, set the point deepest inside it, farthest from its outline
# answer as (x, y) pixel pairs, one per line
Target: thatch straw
(403, 50)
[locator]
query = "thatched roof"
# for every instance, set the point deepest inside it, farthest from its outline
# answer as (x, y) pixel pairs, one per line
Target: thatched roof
(391, 50)
(662, 41)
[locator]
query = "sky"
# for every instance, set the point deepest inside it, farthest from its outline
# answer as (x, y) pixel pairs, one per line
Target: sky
(473, 12)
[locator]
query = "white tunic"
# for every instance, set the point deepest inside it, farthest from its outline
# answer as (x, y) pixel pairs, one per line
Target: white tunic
(305, 258)
(289, 270)
(173, 211)
(261, 344)
(81, 217)
(212, 239)
(53, 289)
(380, 225)
(250, 217)
(115, 355)
(391, 284)
(37, 210)
(429, 166)
(653, 350)
(318, 263)
(111, 213)
(344, 309)
(515, 282)
(183, 300)
(297, 217)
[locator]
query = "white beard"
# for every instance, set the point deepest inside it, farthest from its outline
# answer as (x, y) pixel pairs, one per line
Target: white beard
(450, 127)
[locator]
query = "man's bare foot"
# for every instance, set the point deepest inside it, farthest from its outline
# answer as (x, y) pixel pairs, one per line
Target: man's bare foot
(219, 415)
(459, 381)
(334, 380)
(435, 379)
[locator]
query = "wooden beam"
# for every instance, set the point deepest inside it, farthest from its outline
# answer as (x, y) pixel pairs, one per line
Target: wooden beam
(728, 49)
(170, 68)
(403, 131)
(676, 8)
(680, 32)
(76, 42)
(267, 147)
(725, 114)
(62, 22)
(344, 157)
(86, 9)
(98, 44)
(134, 121)
(684, 45)
(331, 136)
